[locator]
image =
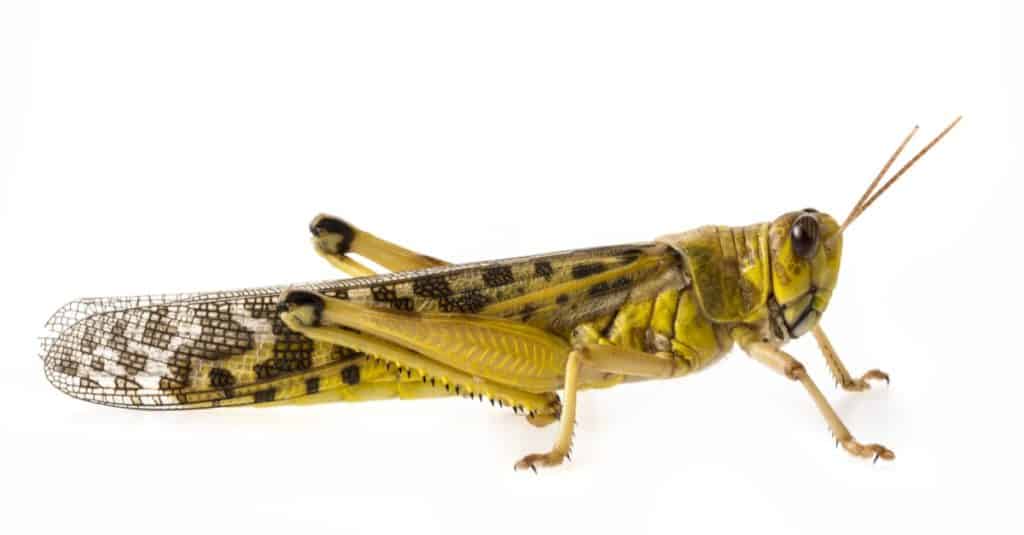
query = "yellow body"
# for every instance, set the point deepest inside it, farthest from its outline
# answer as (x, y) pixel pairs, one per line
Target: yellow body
(679, 296)
(512, 331)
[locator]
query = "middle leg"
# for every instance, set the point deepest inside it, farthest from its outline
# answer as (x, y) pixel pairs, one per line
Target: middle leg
(604, 359)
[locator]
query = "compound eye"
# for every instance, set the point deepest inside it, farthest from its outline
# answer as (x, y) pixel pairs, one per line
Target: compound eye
(805, 236)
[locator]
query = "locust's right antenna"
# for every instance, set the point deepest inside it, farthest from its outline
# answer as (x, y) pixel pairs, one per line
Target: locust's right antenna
(870, 196)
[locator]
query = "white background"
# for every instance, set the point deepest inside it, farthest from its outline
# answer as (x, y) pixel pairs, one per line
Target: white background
(159, 147)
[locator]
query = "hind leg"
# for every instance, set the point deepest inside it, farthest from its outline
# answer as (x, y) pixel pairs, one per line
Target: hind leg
(302, 316)
(335, 240)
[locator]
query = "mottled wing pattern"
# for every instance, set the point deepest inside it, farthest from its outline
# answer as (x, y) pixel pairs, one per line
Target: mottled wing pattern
(186, 351)
(230, 348)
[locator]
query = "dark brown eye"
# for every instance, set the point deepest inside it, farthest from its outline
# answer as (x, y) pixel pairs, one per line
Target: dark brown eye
(804, 235)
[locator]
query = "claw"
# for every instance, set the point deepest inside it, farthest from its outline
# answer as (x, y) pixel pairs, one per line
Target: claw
(875, 451)
(542, 459)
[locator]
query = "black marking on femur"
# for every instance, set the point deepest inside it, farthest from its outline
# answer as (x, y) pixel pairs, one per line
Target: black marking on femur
(301, 298)
(562, 299)
(468, 302)
(332, 225)
(221, 378)
(290, 357)
(350, 375)
(580, 271)
(498, 276)
(345, 354)
(527, 311)
(264, 396)
(131, 361)
(434, 286)
(543, 269)
(312, 385)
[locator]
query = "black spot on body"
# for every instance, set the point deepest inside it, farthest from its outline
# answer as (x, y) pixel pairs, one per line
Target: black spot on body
(580, 271)
(264, 396)
(221, 378)
(433, 287)
(562, 299)
(527, 311)
(498, 276)
(312, 385)
(543, 269)
(350, 375)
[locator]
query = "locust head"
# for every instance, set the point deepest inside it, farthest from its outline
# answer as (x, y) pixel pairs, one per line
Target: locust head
(804, 250)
